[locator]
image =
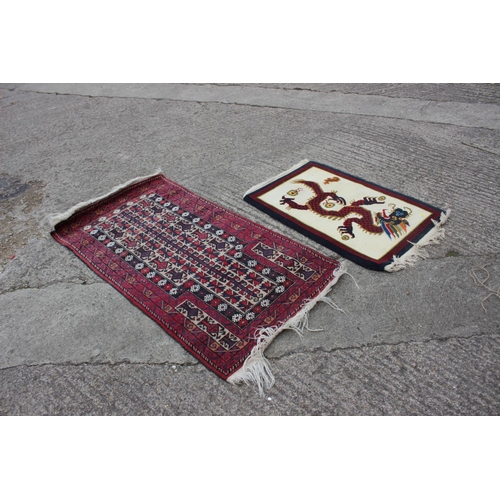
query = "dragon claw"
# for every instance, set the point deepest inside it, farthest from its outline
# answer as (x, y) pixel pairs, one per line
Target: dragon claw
(346, 232)
(371, 200)
(284, 200)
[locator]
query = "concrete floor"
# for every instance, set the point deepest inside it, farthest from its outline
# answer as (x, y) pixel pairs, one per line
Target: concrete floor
(423, 341)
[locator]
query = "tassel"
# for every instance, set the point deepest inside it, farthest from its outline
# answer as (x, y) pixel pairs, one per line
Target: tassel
(332, 304)
(256, 369)
(352, 277)
(418, 251)
(257, 372)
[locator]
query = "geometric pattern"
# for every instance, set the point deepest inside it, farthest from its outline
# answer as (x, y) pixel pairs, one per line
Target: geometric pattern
(208, 276)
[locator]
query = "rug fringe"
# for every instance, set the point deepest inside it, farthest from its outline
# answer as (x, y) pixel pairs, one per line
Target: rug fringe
(53, 219)
(418, 251)
(256, 369)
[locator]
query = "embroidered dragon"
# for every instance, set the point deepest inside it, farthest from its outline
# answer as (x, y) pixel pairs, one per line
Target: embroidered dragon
(394, 224)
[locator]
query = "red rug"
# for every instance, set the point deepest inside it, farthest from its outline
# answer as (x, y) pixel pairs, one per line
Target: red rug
(220, 284)
(371, 225)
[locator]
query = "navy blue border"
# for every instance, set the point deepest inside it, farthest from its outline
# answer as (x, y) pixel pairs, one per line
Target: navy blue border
(376, 266)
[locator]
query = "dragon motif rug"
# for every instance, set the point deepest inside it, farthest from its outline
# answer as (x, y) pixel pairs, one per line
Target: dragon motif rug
(366, 223)
(220, 284)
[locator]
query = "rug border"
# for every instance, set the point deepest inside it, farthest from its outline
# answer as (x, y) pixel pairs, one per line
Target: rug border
(375, 264)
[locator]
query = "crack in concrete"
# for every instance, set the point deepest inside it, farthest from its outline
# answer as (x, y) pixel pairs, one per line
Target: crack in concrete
(251, 86)
(285, 108)
(370, 345)
(104, 363)
(48, 285)
(361, 94)
(480, 149)
(194, 363)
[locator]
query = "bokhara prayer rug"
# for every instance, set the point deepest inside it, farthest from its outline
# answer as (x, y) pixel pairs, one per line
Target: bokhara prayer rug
(219, 284)
(366, 223)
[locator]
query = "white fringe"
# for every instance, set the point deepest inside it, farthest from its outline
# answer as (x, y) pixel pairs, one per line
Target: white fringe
(256, 369)
(418, 251)
(53, 219)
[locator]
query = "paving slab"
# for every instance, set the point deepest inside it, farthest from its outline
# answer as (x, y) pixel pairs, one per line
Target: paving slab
(455, 377)
(471, 114)
(454, 92)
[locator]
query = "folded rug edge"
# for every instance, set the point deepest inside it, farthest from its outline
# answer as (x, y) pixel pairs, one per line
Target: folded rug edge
(52, 220)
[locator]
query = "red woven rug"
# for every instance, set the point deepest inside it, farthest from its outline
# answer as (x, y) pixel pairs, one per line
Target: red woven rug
(219, 284)
(362, 221)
